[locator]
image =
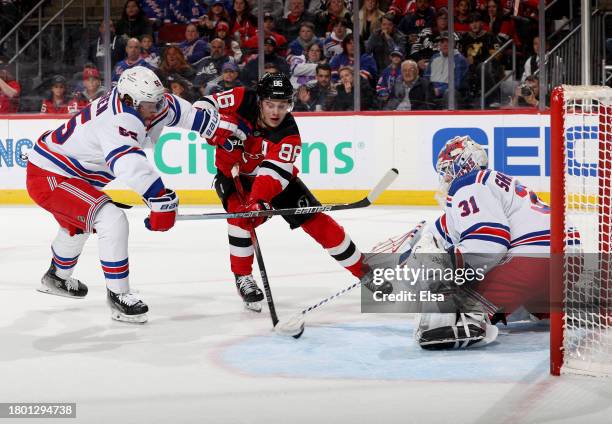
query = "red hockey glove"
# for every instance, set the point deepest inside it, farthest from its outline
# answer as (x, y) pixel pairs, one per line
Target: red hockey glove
(256, 206)
(163, 211)
(219, 127)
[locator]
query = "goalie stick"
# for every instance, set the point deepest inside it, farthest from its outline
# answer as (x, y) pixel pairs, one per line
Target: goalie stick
(382, 185)
(408, 241)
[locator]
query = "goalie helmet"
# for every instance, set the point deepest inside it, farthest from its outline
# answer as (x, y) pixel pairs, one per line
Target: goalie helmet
(458, 157)
(141, 85)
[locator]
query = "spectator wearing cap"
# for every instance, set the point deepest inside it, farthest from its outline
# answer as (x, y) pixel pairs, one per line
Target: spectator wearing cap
(385, 83)
(384, 40)
(367, 64)
(132, 59)
(252, 44)
(429, 37)
(208, 22)
(231, 46)
(92, 89)
(249, 75)
(333, 43)
(462, 16)
(326, 19)
(289, 26)
(344, 100)
(149, 51)
(243, 23)
(273, 7)
(180, 87)
(304, 67)
(133, 23)
(194, 48)
(413, 23)
(57, 101)
(477, 44)
(10, 89)
(229, 79)
(437, 71)
(411, 92)
(369, 18)
(305, 38)
(209, 69)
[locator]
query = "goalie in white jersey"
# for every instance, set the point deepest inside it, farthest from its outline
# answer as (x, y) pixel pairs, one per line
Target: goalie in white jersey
(68, 168)
(492, 224)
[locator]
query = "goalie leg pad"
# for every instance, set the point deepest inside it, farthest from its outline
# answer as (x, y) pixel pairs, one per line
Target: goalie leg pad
(454, 331)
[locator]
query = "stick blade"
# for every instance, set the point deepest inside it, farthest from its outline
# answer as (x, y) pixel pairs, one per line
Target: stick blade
(293, 326)
(383, 184)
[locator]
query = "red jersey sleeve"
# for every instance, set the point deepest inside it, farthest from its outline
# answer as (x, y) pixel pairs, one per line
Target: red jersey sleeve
(277, 168)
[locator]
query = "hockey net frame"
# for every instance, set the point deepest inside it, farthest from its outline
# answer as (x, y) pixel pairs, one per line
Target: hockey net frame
(581, 197)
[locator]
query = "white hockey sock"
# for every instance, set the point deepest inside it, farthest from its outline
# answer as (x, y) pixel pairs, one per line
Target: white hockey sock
(112, 227)
(66, 251)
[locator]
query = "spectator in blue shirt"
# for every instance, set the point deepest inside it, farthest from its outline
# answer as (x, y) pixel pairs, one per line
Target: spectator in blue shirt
(437, 71)
(132, 59)
(194, 48)
(367, 65)
(305, 38)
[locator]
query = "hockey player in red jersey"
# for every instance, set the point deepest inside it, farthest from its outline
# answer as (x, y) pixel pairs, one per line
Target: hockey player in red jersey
(268, 172)
(69, 167)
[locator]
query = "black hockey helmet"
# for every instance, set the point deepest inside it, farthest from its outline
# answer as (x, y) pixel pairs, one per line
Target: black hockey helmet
(275, 86)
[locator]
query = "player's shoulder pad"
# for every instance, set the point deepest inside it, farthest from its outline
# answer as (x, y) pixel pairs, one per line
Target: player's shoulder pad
(286, 129)
(477, 176)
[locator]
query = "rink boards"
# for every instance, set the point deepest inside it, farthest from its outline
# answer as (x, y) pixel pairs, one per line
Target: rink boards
(343, 154)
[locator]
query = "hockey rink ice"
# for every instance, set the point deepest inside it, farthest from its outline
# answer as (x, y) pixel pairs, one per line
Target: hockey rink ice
(202, 358)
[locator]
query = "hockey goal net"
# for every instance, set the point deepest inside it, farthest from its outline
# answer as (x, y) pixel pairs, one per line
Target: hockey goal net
(581, 202)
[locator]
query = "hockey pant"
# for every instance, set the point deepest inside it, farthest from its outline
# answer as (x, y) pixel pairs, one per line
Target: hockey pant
(81, 209)
(321, 227)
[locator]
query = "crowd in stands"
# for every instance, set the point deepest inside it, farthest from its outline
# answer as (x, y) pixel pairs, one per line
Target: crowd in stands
(199, 47)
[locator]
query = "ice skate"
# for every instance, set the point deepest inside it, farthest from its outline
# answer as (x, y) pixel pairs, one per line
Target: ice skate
(70, 287)
(127, 307)
(250, 293)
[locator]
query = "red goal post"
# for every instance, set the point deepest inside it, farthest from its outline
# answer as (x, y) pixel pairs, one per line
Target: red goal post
(581, 200)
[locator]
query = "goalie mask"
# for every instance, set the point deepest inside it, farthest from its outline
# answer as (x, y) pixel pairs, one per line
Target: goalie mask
(458, 157)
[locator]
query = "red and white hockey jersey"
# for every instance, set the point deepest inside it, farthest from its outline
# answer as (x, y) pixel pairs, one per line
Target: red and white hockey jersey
(489, 214)
(104, 141)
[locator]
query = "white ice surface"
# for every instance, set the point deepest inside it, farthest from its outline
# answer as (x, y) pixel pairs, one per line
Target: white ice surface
(203, 359)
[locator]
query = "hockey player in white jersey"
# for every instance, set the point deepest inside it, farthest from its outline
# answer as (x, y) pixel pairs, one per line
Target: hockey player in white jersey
(492, 224)
(68, 168)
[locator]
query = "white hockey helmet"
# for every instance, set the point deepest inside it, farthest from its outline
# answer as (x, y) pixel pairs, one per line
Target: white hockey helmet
(142, 85)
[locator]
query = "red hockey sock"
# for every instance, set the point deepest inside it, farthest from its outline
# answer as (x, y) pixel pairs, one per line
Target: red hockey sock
(241, 247)
(329, 234)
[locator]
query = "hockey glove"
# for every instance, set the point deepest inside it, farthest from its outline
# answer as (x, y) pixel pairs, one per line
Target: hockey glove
(163, 211)
(256, 206)
(218, 127)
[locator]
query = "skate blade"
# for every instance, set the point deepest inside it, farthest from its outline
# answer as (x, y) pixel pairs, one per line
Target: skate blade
(253, 306)
(132, 319)
(48, 290)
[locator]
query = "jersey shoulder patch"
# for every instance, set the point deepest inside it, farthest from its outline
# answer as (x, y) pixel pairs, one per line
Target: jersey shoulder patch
(286, 129)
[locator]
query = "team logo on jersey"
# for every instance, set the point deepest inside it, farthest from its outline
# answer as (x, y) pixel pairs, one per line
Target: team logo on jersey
(303, 202)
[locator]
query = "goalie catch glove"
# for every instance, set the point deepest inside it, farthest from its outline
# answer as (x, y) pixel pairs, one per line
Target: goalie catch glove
(163, 211)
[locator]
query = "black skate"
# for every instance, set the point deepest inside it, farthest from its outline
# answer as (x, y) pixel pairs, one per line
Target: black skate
(70, 287)
(127, 307)
(250, 293)
(368, 281)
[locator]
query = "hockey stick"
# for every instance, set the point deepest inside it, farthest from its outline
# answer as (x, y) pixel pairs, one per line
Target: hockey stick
(296, 321)
(255, 241)
(382, 185)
